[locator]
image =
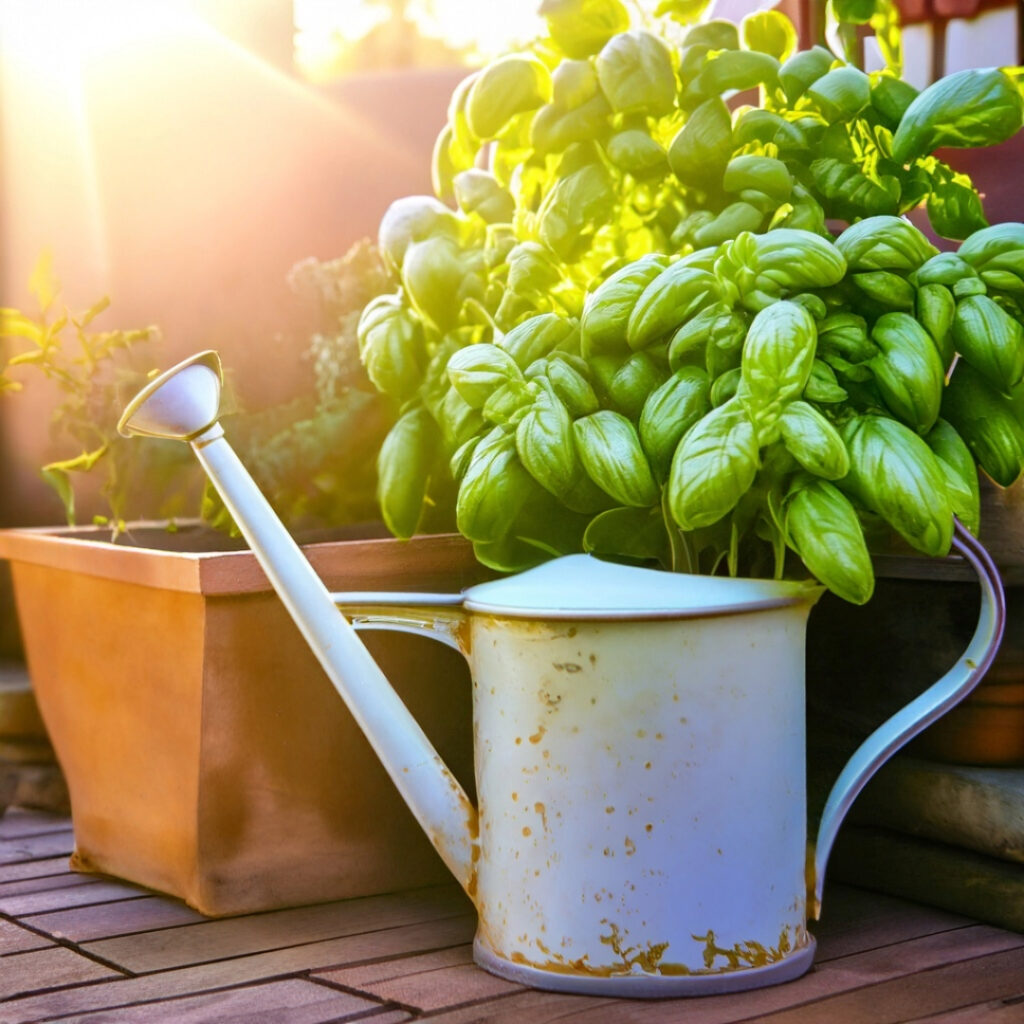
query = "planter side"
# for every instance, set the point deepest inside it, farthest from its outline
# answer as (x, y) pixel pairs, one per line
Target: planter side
(293, 805)
(122, 709)
(207, 754)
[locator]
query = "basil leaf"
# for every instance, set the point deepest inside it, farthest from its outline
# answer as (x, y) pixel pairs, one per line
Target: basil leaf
(777, 358)
(634, 533)
(894, 474)
(822, 527)
(961, 474)
(975, 107)
(404, 464)
(610, 450)
(713, 467)
(635, 71)
(813, 441)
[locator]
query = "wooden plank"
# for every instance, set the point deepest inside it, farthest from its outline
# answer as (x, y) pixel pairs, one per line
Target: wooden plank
(36, 847)
(390, 943)
(229, 937)
(15, 939)
(825, 981)
(293, 1001)
(856, 920)
(530, 1006)
(47, 968)
(428, 983)
(75, 895)
(996, 1011)
(21, 886)
(125, 917)
(47, 867)
(361, 975)
(950, 987)
(22, 821)
(40, 883)
(441, 989)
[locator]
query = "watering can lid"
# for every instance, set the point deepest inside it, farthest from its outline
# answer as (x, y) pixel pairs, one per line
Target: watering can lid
(581, 586)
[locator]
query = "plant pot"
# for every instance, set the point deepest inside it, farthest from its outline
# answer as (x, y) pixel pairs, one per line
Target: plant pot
(863, 663)
(206, 753)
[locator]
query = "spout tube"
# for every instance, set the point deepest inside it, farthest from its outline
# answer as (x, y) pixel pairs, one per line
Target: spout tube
(433, 794)
(909, 721)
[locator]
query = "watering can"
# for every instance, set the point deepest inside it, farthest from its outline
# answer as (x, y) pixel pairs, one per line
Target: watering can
(641, 823)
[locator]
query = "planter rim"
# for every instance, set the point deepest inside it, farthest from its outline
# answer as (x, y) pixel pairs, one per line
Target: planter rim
(88, 550)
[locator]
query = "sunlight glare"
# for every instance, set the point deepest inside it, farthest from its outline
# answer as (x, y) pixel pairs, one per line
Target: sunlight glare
(480, 30)
(58, 34)
(485, 29)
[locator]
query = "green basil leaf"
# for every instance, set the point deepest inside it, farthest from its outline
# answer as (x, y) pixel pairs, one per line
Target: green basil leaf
(633, 533)
(769, 32)
(988, 422)
(894, 474)
(824, 530)
(777, 358)
(954, 206)
(701, 149)
(477, 370)
(841, 93)
(884, 243)
(493, 490)
(607, 310)
(990, 339)
(574, 209)
(404, 464)
(813, 441)
(508, 86)
(669, 412)
(802, 69)
(544, 441)
(908, 370)
(668, 300)
(610, 450)
(713, 466)
(581, 27)
(975, 107)
(413, 219)
(961, 473)
(636, 75)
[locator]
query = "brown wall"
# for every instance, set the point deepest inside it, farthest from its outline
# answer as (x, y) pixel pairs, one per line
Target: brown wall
(197, 177)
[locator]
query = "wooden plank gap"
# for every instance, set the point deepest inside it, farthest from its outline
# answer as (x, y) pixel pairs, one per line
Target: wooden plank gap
(37, 972)
(40, 847)
(47, 867)
(292, 1001)
(226, 938)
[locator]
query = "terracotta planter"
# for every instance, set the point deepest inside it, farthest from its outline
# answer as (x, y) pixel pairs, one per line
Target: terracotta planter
(866, 662)
(206, 753)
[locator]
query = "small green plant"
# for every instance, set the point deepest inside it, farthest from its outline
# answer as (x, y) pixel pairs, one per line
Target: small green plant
(312, 455)
(94, 372)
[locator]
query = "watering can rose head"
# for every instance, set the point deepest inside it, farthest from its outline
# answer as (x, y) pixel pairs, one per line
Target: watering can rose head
(639, 332)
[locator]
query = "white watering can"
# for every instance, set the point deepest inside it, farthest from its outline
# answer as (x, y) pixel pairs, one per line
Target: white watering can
(639, 744)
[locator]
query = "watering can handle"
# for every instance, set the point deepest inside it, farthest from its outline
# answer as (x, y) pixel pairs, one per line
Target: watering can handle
(921, 712)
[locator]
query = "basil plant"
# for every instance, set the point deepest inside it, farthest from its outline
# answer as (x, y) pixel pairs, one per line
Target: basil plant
(643, 319)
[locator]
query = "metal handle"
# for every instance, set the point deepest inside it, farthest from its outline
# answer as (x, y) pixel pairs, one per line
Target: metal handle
(913, 719)
(440, 617)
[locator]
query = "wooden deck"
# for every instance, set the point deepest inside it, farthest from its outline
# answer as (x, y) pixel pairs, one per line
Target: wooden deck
(82, 948)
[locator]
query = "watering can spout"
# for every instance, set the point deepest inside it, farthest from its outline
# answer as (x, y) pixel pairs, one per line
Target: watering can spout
(182, 404)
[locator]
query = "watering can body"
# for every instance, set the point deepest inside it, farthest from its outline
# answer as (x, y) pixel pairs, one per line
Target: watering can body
(639, 745)
(640, 769)
(642, 809)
